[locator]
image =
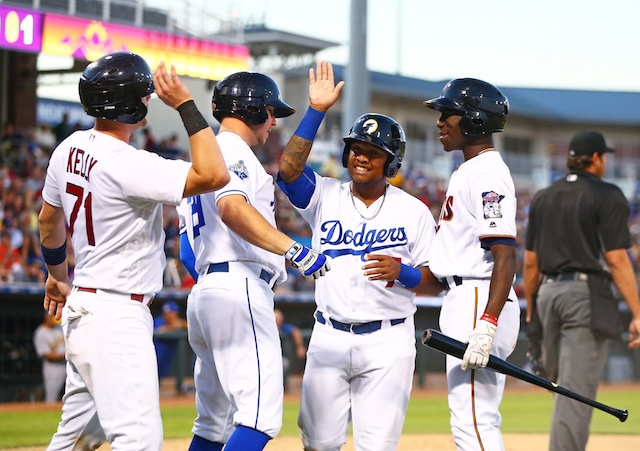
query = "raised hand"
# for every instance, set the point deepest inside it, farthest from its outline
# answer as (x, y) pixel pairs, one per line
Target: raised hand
(323, 92)
(311, 264)
(169, 88)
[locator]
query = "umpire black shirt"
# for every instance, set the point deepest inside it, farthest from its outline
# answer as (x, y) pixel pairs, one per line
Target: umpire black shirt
(574, 221)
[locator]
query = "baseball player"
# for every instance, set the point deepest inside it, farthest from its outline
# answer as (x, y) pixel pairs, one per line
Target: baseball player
(474, 256)
(48, 342)
(110, 196)
(239, 257)
(361, 355)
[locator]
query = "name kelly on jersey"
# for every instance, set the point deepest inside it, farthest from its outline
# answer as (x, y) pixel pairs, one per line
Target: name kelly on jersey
(80, 162)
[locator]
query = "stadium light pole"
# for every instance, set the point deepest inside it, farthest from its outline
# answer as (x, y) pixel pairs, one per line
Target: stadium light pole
(356, 90)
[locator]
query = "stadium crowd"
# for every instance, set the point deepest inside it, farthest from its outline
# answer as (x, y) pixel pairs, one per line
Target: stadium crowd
(23, 163)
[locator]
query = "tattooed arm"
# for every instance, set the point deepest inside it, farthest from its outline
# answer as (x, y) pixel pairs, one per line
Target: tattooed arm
(323, 93)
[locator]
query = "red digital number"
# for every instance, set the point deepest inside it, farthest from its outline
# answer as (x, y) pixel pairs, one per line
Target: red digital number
(78, 193)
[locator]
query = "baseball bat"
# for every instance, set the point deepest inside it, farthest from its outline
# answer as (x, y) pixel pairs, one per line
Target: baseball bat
(440, 342)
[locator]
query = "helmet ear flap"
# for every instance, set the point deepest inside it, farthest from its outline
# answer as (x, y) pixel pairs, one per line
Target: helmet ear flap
(345, 155)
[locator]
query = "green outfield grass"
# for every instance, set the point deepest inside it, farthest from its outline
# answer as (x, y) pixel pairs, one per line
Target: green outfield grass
(528, 412)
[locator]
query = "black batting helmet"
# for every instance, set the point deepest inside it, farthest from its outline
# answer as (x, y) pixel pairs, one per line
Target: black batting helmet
(384, 133)
(112, 87)
(483, 107)
(247, 95)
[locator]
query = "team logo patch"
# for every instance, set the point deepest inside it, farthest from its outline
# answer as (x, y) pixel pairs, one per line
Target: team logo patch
(491, 204)
(370, 126)
(240, 170)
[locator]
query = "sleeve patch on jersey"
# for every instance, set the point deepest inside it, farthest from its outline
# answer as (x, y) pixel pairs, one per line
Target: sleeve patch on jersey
(491, 204)
(240, 170)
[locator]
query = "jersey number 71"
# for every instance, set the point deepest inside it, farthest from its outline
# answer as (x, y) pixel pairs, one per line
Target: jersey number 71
(78, 192)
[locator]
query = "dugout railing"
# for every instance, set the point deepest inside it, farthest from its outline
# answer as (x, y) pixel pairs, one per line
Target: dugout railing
(21, 307)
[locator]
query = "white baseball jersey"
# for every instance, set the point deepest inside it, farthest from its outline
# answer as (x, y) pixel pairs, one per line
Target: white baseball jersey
(364, 376)
(213, 241)
(402, 228)
(112, 195)
(232, 327)
(480, 203)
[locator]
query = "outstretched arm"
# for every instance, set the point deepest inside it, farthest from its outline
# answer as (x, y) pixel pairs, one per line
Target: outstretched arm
(323, 93)
(208, 170)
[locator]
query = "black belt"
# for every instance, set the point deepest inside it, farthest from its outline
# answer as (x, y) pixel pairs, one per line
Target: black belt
(565, 277)
(445, 284)
(224, 267)
(356, 328)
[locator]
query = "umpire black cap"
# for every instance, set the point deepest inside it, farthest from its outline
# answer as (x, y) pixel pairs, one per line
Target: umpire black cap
(588, 142)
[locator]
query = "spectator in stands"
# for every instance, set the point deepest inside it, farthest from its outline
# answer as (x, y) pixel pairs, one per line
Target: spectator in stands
(62, 129)
(149, 140)
(48, 341)
(292, 344)
(45, 138)
(9, 257)
(31, 259)
(167, 347)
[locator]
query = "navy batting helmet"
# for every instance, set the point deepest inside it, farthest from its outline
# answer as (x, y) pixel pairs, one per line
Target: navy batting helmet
(483, 107)
(247, 95)
(112, 87)
(384, 133)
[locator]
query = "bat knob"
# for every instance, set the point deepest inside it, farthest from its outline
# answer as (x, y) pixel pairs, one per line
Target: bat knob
(426, 336)
(624, 416)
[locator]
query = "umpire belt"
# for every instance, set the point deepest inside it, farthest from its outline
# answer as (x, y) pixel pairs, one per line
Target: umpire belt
(356, 328)
(246, 269)
(565, 277)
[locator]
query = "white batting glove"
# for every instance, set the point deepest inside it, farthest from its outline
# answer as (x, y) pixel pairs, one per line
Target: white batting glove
(311, 264)
(480, 340)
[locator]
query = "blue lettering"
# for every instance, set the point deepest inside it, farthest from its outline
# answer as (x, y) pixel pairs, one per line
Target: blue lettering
(334, 235)
(330, 228)
(348, 237)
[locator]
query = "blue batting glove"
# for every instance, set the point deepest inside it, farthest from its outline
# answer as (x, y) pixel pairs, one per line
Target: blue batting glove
(311, 264)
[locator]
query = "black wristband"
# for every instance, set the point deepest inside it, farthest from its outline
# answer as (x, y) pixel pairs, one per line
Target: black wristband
(192, 118)
(54, 256)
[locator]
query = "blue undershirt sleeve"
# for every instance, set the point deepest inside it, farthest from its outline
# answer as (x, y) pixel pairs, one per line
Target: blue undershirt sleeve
(486, 243)
(300, 191)
(187, 256)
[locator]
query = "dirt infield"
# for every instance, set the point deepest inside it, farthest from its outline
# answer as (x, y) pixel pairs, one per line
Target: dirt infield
(430, 442)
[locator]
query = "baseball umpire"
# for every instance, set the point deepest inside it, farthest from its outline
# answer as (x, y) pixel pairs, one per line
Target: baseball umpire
(577, 238)
(110, 196)
(239, 257)
(474, 256)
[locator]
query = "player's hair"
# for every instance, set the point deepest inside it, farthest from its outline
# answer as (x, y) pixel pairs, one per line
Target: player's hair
(579, 162)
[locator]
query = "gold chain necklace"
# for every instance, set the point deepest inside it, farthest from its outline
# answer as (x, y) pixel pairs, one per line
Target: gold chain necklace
(384, 196)
(485, 150)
